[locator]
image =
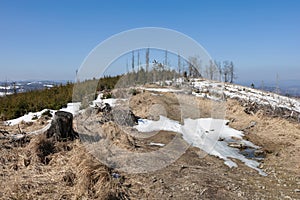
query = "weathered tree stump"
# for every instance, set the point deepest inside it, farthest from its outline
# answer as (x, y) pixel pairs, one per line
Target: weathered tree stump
(61, 127)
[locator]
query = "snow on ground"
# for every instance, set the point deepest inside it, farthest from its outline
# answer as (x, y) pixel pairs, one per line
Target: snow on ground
(245, 93)
(162, 90)
(33, 116)
(205, 133)
(72, 108)
(9, 87)
(3, 93)
(99, 101)
(111, 101)
(30, 117)
(156, 144)
(48, 85)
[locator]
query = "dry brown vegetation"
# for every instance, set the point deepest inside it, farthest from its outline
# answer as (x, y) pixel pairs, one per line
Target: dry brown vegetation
(45, 169)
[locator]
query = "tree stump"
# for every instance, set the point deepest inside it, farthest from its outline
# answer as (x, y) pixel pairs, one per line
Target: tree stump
(61, 127)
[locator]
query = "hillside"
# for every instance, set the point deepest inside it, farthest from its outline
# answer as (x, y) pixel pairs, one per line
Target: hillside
(14, 105)
(254, 156)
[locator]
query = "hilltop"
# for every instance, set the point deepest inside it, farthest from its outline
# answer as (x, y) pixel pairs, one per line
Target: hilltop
(261, 128)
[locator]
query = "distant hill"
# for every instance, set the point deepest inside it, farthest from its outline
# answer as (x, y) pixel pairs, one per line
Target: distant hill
(285, 87)
(11, 87)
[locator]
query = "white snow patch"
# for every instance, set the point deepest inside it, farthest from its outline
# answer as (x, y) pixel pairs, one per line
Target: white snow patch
(162, 90)
(99, 101)
(48, 86)
(72, 108)
(156, 144)
(180, 80)
(204, 133)
(28, 117)
(3, 93)
(112, 102)
(245, 93)
(9, 87)
(168, 82)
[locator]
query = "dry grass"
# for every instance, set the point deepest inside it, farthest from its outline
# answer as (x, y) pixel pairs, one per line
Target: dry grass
(72, 173)
(62, 170)
(175, 106)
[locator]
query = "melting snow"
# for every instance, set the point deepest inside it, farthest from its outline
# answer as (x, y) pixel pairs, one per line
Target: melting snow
(27, 117)
(3, 93)
(72, 108)
(204, 133)
(9, 87)
(241, 92)
(48, 85)
(162, 90)
(156, 144)
(99, 101)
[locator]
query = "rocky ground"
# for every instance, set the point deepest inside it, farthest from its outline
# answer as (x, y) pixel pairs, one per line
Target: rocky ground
(43, 168)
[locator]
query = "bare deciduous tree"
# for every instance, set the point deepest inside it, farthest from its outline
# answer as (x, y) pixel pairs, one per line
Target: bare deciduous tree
(212, 71)
(147, 59)
(179, 64)
(231, 72)
(228, 71)
(194, 66)
(132, 61)
(138, 61)
(220, 70)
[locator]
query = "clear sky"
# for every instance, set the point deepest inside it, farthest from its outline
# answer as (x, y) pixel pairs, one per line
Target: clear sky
(49, 39)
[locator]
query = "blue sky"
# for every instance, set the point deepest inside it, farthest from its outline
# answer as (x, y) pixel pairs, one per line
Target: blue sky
(50, 39)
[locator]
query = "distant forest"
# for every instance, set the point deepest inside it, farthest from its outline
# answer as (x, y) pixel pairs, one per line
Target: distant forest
(16, 105)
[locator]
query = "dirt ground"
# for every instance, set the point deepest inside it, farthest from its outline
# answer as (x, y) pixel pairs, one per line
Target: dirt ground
(68, 171)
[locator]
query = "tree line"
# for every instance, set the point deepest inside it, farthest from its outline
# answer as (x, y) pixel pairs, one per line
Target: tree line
(191, 67)
(18, 104)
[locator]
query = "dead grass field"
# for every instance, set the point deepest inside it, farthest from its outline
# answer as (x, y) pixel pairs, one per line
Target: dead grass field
(67, 171)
